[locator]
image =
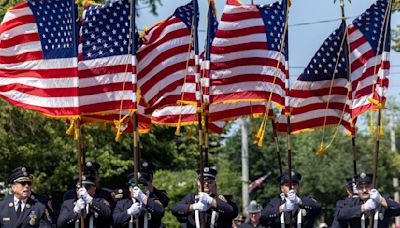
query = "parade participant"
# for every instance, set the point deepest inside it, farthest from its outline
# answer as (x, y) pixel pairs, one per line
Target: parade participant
(92, 169)
(96, 212)
(351, 192)
(238, 221)
(18, 209)
(219, 210)
(147, 170)
(356, 211)
(254, 211)
(142, 203)
(303, 210)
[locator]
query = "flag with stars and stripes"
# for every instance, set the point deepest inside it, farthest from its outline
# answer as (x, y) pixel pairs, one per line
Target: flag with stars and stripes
(369, 37)
(106, 66)
(166, 61)
(247, 60)
(319, 97)
(38, 57)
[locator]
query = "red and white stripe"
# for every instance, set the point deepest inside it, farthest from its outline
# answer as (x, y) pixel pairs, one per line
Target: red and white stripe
(26, 79)
(163, 62)
(369, 73)
(242, 67)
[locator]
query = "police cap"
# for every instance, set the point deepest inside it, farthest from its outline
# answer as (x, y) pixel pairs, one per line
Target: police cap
(364, 178)
(208, 173)
(349, 182)
(20, 174)
(284, 178)
(254, 207)
(147, 167)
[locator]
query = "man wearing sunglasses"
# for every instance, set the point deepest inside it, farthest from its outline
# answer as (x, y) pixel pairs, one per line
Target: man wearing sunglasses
(18, 209)
(303, 211)
(215, 210)
(94, 209)
(355, 211)
(142, 205)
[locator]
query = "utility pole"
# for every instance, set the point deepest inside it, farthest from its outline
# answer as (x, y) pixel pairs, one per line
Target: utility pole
(393, 147)
(245, 168)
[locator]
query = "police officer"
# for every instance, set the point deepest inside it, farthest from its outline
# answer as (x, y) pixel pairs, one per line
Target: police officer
(218, 210)
(95, 211)
(356, 211)
(142, 203)
(92, 169)
(147, 170)
(303, 210)
(18, 209)
(254, 210)
(351, 192)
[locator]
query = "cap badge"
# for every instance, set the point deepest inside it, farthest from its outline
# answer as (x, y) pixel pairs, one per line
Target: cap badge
(206, 169)
(145, 164)
(23, 169)
(120, 190)
(363, 175)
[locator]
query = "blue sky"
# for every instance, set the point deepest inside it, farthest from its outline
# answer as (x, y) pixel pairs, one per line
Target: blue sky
(304, 40)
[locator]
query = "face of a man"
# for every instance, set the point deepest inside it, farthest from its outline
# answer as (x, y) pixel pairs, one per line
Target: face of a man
(255, 217)
(22, 190)
(363, 191)
(210, 186)
(286, 187)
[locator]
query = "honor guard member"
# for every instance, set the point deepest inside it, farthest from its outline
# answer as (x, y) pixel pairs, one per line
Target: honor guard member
(351, 192)
(147, 170)
(96, 212)
(254, 211)
(303, 210)
(92, 169)
(18, 209)
(142, 203)
(217, 210)
(356, 211)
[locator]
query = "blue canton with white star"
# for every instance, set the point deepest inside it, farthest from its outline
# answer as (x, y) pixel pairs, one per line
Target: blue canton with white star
(185, 13)
(322, 65)
(212, 29)
(105, 31)
(54, 19)
(274, 17)
(370, 24)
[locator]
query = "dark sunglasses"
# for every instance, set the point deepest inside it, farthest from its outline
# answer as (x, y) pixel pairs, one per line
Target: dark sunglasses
(23, 183)
(141, 186)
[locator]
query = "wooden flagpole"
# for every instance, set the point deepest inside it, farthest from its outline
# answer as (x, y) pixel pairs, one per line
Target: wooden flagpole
(277, 149)
(79, 158)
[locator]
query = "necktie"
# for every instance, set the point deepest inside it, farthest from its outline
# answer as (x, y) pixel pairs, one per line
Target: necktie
(19, 208)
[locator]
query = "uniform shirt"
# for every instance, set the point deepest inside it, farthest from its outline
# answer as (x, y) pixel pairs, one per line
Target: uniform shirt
(154, 210)
(23, 203)
(349, 212)
(227, 211)
(33, 214)
(250, 225)
(100, 212)
(270, 215)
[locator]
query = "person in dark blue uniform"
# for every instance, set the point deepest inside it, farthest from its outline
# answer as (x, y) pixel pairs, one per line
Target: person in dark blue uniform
(351, 192)
(95, 211)
(356, 211)
(254, 211)
(304, 210)
(93, 169)
(216, 210)
(18, 209)
(142, 203)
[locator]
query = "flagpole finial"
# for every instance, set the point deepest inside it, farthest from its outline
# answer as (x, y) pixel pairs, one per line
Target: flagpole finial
(341, 1)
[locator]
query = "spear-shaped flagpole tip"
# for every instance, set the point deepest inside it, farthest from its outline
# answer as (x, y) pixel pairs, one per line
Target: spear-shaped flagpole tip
(334, 1)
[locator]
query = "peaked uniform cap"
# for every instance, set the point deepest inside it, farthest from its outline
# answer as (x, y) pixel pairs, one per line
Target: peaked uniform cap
(254, 207)
(364, 178)
(284, 178)
(208, 173)
(20, 174)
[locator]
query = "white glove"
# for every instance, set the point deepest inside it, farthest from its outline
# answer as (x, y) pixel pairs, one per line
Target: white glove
(292, 196)
(134, 209)
(200, 206)
(205, 198)
(369, 205)
(138, 194)
(83, 194)
(375, 195)
(79, 205)
(288, 206)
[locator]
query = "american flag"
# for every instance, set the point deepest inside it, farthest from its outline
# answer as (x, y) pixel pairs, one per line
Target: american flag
(246, 52)
(310, 92)
(370, 61)
(106, 72)
(258, 182)
(38, 57)
(164, 58)
(319, 95)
